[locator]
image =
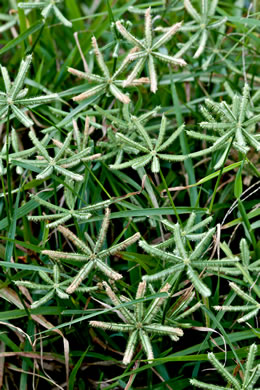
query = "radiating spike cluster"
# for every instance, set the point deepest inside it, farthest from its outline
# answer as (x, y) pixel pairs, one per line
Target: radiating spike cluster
(231, 125)
(252, 306)
(151, 153)
(148, 51)
(93, 259)
(249, 379)
(52, 287)
(185, 259)
(47, 6)
(105, 84)
(139, 324)
(59, 164)
(13, 99)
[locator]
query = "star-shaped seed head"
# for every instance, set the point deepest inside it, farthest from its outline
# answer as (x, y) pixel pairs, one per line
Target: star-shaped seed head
(47, 7)
(231, 124)
(92, 258)
(147, 50)
(249, 378)
(52, 287)
(139, 322)
(13, 100)
(152, 152)
(106, 83)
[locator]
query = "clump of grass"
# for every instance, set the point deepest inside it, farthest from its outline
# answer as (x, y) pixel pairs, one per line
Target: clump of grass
(103, 199)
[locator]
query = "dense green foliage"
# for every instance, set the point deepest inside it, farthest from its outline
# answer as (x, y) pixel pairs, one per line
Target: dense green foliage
(129, 200)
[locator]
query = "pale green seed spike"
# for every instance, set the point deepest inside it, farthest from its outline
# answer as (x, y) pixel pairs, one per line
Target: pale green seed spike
(226, 109)
(31, 285)
(152, 73)
(119, 94)
(126, 164)
(143, 133)
(202, 44)
(215, 126)
(61, 17)
(202, 245)
(161, 132)
(167, 36)
(132, 143)
(45, 12)
(68, 173)
(169, 59)
(179, 241)
(58, 222)
(146, 345)
(117, 302)
(130, 348)
(83, 273)
(111, 326)
(45, 173)
(19, 80)
(66, 256)
(157, 252)
(155, 305)
(191, 10)
(207, 115)
(136, 70)
(86, 75)
(190, 223)
(163, 330)
(199, 225)
(163, 274)
(69, 196)
(75, 240)
(245, 254)
(121, 246)
(139, 307)
(31, 5)
(255, 377)
(172, 157)
(198, 284)
(252, 140)
(172, 138)
(223, 371)
(90, 92)
(21, 116)
(56, 274)
(234, 308)
(244, 103)
(204, 9)
(242, 294)
(64, 147)
(103, 231)
(212, 7)
(248, 316)
(35, 101)
(206, 386)
(41, 149)
(46, 204)
(128, 36)
(240, 139)
(148, 27)
(108, 271)
(61, 294)
(141, 162)
(236, 106)
(189, 311)
(6, 79)
(249, 364)
(43, 300)
(155, 165)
